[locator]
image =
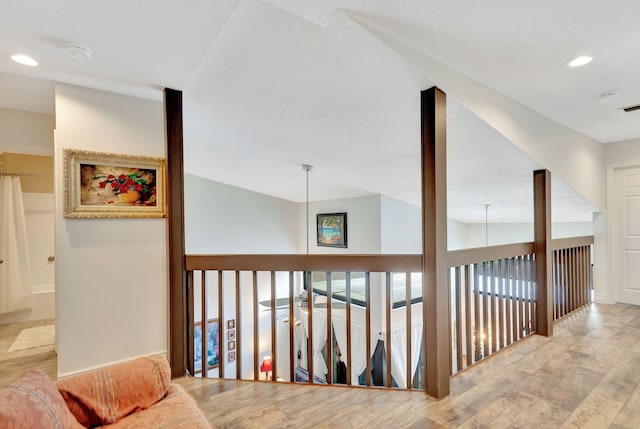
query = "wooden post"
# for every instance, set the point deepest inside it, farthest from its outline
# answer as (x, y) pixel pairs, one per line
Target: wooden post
(435, 286)
(543, 252)
(177, 341)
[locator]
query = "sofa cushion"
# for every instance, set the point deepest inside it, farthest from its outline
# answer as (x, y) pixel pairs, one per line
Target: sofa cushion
(177, 410)
(106, 395)
(32, 401)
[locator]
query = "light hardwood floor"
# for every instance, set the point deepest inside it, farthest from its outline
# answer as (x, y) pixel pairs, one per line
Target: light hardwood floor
(586, 376)
(14, 364)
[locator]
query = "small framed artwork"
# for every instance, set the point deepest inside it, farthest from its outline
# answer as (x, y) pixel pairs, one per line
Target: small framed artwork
(332, 229)
(231, 324)
(231, 334)
(231, 357)
(213, 349)
(108, 185)
(231, 345)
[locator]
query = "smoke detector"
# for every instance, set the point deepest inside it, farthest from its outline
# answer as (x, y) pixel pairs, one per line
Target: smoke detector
(79, 52)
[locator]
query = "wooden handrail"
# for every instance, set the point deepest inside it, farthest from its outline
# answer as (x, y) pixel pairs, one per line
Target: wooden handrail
(456, 258)
(476, 255)
(368, 263)
(567, 243)
(335, 263)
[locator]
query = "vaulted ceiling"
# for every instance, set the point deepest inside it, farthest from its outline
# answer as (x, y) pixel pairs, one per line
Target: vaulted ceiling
(272, 84)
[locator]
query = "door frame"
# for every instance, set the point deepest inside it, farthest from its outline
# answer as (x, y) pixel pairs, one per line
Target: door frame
(614, 243)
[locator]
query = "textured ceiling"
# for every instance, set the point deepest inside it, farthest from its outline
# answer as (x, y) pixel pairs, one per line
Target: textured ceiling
(270, 85)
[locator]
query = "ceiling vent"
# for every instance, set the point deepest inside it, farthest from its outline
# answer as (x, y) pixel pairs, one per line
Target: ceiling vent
(631, 108)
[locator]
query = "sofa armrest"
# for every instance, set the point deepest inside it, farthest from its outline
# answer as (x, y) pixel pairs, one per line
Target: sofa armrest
(177, 410)
(106, 395)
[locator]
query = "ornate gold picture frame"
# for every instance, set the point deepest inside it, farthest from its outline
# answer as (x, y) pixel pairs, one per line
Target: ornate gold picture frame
(108, 185)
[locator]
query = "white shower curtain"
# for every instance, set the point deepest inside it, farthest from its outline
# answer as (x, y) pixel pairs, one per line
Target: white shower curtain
(358, 346)
(319, 340)
(399, 352)
(15, 281)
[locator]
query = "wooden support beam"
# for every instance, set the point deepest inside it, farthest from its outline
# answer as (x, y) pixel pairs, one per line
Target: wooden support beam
(177, 341)
(543, 251)
(435, 287)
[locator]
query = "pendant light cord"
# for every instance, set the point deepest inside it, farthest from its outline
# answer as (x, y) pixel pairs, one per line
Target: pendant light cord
(307, 168)
(307, 229)
(486, 224)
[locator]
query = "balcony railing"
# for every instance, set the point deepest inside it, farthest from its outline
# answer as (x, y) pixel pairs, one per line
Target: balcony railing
(493, 300)
(358, 320)
(572, 275)
(325, 314)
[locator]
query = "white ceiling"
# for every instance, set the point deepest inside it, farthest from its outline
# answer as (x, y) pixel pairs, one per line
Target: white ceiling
(272, 84)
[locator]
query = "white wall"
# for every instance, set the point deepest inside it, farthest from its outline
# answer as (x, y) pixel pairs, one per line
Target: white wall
(401, 227)
(225, 219)
(363, 225)
(26, 132)
(622, 154)
(456, 234)
(571, 229)
(499, 233)
(505, 233)
(111, 273)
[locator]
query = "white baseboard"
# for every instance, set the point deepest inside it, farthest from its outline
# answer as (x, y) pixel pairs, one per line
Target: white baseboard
(92, 368)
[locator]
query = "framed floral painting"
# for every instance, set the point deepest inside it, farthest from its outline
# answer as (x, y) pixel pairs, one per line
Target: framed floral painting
(107, 185)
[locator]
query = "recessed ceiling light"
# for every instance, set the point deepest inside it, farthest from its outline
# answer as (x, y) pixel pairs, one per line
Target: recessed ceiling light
(25, 60)
(580, 61)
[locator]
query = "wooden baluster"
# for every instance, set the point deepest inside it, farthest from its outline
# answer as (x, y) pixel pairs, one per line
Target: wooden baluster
(501, 330)
(388, 310)
(203, 326)
(292, 324)
(367, 294)
(458, 336)
(509, 296)
(310, 324)
(407, 283)
(486, 291)
(527, 294)
(190, 325)
(256, 329)
(220, 327)
(274, 357)
(476, 309)
(238, 330)
(329, 331)
(348, 317)
(467, 309)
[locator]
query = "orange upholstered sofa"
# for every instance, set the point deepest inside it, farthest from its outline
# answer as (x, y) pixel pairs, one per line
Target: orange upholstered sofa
(134, 394)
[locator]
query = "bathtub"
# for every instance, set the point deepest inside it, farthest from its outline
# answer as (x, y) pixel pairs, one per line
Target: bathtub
(43, 306)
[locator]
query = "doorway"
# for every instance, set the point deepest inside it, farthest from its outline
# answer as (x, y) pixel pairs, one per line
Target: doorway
(626, 235)
(27, 263)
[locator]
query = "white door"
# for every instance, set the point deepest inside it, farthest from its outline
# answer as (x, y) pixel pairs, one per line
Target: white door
(626, 231)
